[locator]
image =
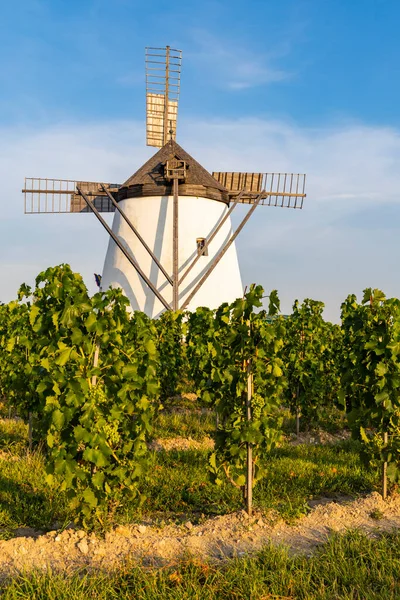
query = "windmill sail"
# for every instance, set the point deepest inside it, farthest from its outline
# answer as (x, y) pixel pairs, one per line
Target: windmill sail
(163, 75)
(286, 190)
(61, 196)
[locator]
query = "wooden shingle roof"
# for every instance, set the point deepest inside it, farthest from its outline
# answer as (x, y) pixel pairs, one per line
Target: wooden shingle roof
(150, 180)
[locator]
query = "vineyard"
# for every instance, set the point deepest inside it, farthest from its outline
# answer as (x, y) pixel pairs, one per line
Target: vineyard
(112, 419)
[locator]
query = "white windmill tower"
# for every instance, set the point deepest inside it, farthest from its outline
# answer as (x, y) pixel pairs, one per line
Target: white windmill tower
(171, 242)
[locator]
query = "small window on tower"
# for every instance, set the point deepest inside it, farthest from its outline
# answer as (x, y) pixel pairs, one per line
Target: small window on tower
(202, 249)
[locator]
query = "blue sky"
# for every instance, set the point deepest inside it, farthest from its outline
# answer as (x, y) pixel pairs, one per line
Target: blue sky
(305, 85)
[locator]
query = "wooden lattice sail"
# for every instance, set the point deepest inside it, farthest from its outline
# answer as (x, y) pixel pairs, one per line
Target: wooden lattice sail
(62, 196)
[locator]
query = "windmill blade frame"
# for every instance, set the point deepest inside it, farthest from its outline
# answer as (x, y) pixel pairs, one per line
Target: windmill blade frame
(286, 190)
(44, 196)
(163, 81)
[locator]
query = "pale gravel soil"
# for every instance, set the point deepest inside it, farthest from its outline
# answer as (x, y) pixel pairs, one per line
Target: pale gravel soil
(214, 540)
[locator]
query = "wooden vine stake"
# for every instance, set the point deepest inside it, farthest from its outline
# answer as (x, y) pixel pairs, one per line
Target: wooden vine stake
(249, 473)
(384, 469)
(95, 363)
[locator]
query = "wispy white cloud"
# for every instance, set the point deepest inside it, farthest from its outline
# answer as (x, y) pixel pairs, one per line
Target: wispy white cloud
(345, 161)
(236, 67)
(346, 238)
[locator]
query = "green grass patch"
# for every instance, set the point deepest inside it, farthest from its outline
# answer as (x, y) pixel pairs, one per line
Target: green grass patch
(195, 424)
(13, 436)
(25, 498)
(179, 484)
(297, 474)
(348, 567)
(200, 422)
(330, 419)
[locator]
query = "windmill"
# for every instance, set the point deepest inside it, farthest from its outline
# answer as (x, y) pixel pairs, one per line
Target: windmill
(171, 244)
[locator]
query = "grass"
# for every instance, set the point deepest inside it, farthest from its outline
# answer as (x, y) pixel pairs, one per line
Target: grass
(25, 499)
(179, 481)
(198, 423)
(178, 486)
(13, 436)
(348, 567)
(297, 474)
(195, 424)
(330, 419)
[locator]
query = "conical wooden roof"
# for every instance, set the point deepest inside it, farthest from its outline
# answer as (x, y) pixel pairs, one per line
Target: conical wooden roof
(150, 180)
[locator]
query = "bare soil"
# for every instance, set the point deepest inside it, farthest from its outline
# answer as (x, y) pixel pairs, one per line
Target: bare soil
(214, 540)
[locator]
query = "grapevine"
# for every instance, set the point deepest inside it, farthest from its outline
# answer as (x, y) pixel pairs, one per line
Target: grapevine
(95, 434)
(238, 369)
(312, 358)
(371, 378)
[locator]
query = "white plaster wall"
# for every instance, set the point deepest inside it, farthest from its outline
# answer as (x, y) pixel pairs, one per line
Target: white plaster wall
(152, 216)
